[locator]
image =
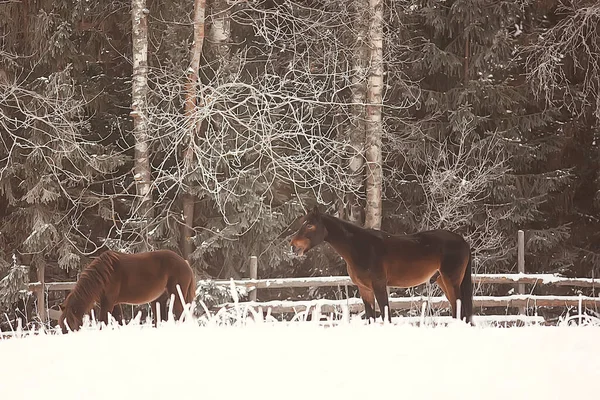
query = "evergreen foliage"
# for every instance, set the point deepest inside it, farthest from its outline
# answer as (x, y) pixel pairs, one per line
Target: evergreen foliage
(12, 285)
(490, 126)
(469, 59)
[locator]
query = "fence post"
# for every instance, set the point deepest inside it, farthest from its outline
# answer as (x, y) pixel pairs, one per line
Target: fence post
(41, 294)
(521, 265)
(253, 275)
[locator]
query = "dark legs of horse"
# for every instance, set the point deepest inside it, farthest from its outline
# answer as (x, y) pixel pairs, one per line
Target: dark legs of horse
(452, 272)
(161, 304)
(452, 291)
(380, 289)
(162, 301)
(369, 312)
(178, 306)
(369, 301)
(434, 278)
(106, 306)
(117, 313)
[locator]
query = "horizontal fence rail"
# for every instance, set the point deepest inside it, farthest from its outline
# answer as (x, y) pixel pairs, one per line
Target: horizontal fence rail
(520, 299)
(283, 283)
(406, 303)
(396, 303)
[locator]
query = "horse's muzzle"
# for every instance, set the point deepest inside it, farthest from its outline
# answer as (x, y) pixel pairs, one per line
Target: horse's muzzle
(299, 251)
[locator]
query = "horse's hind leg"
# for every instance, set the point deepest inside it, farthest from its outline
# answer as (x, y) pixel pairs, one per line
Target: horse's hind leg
(435, 278)
(161, 303)
(178, 305)
(451, 275)
(440, 283)
(451, 290)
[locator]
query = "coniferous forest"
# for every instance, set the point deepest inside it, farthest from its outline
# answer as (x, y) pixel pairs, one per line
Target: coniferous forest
(208, 126)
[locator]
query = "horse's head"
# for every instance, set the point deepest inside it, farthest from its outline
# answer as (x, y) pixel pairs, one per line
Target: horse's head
(69, 316)
(311, 233)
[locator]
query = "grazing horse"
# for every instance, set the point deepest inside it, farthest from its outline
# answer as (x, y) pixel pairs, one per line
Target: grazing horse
(376, 259)
(117, 278)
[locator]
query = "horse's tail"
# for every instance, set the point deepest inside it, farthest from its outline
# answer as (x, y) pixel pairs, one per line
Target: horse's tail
(466, 294)
(191, 294)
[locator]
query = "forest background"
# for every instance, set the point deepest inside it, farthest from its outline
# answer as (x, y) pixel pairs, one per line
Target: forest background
(207, 127)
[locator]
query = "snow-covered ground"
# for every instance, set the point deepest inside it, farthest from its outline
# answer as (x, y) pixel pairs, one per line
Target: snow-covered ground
(303, 361)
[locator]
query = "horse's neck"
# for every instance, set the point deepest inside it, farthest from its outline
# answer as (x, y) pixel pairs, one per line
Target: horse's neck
(339, 235)
(80, 307)
(88, 290)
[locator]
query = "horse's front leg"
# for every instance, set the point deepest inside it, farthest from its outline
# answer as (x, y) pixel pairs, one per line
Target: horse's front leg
(106, 305)
(380, 289)
(369, 300)
(117, 313)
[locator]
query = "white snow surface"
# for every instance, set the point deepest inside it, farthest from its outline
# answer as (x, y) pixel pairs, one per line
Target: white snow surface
(264, 360)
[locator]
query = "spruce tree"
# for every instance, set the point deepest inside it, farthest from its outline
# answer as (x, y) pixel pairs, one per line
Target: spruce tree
(55, 163)
(561, 55)
(476, 156)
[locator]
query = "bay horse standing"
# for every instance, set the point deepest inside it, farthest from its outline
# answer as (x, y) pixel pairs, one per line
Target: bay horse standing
(376, 259)
(117, 278)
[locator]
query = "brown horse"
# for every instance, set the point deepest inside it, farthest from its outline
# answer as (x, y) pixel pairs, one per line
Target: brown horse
(376, 259)
(117, 278)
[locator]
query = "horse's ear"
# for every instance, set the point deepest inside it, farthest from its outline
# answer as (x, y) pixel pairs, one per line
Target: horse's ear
(315, 209)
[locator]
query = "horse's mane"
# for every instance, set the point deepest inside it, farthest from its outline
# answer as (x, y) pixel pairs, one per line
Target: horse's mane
(350, 228)
(91, 283)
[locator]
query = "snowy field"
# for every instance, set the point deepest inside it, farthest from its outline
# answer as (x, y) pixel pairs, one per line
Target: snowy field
(263, 360)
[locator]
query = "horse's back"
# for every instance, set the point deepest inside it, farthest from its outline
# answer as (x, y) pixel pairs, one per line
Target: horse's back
(424, 241)
(154, 262)
(411, 259)
(440, 236)
(143, 277)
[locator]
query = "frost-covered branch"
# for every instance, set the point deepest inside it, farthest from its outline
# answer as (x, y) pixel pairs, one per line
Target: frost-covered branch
(50, 161)
(573, 44)
(456, 177)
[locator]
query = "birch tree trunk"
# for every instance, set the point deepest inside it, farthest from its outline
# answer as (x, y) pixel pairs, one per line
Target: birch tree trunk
(218, 51)
(220, 31)
(139, 90)
(193, 124)
(374, 126)
(359, 96)
(219, 42)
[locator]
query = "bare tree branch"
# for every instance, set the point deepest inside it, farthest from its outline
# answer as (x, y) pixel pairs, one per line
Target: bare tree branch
(573, 42)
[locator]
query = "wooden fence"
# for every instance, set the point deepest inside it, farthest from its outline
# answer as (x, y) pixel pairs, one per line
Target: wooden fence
(521, 299)
(327, 306)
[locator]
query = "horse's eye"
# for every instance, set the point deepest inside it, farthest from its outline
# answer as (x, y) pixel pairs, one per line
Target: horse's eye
(310, 227)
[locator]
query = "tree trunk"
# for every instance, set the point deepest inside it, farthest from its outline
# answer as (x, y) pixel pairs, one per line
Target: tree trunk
(193, 125)
(220, 31)
(374, 126)
(219, 54)
(357, 122)
(466, 61)
(139, 89)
